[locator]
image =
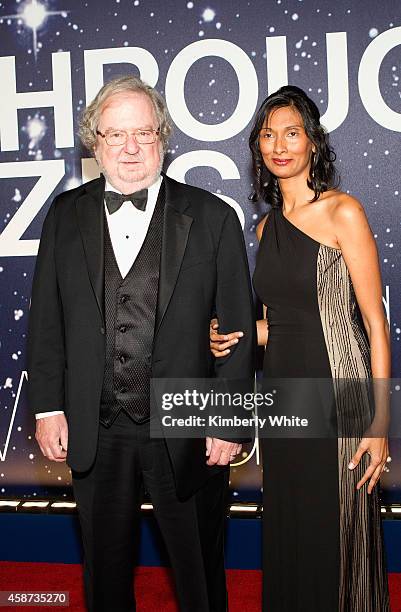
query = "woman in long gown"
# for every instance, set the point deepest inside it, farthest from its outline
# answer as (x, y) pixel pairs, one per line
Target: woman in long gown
(317, 273)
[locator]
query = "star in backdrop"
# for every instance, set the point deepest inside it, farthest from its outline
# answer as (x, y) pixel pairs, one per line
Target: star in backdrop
(33, 15)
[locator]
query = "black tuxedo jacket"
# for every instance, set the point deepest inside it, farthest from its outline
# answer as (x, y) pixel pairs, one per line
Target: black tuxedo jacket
(203, 270)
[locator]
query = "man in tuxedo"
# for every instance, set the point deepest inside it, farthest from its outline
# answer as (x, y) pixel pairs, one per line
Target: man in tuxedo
(130, 269)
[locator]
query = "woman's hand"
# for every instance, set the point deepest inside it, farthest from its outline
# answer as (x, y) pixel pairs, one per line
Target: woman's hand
(377, 448)
(220, 343)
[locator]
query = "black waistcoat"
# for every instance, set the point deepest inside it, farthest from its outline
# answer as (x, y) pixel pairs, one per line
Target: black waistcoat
(130, 310)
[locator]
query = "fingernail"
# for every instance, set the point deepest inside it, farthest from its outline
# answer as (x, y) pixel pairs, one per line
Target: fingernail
(351, 465)
(241, 334)
(235, 340)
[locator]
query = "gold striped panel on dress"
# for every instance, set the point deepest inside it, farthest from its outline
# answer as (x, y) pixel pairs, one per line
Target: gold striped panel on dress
(363, 578)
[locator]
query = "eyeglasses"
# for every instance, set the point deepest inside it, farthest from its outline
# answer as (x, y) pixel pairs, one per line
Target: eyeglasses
(117, 138)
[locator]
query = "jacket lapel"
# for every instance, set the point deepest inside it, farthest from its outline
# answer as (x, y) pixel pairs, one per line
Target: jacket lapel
(90, 214)
(176, 230)
(175, 237)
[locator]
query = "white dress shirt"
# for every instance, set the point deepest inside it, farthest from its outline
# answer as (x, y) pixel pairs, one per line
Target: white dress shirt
(128, 227)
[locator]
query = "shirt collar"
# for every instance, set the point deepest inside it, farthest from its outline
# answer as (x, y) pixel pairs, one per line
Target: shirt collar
(152, 189)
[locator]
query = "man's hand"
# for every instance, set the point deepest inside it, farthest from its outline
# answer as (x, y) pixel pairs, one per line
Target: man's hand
(221, 452)
(52, 436)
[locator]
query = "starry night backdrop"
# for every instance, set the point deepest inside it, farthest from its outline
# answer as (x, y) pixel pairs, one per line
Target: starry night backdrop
(368, 152)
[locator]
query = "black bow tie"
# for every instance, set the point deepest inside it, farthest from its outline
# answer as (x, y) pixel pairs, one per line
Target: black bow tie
(115, 200)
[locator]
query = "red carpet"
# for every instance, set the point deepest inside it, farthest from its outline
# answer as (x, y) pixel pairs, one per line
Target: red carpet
(154, 588)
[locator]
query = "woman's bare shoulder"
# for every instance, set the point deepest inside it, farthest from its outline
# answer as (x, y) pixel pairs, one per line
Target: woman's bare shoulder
(346, 209)
(347, 217)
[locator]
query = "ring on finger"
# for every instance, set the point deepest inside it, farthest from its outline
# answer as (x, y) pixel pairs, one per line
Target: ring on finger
(388, 460)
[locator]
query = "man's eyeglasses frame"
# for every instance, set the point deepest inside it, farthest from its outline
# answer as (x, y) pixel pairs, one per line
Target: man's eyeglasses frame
(137, 135)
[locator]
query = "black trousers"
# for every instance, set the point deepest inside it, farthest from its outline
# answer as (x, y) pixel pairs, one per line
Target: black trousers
(108, 499)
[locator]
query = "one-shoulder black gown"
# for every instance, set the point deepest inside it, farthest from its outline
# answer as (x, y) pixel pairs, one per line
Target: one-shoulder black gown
(322, 539)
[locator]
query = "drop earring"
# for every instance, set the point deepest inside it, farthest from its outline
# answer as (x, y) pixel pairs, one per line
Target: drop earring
(312, 165)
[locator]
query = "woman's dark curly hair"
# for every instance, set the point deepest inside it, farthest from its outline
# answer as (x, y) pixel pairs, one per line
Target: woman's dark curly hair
(322, 176)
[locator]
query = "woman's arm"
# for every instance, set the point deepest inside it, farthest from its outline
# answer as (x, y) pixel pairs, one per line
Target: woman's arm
(262, 330)
(359, 250)
(262, 326)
